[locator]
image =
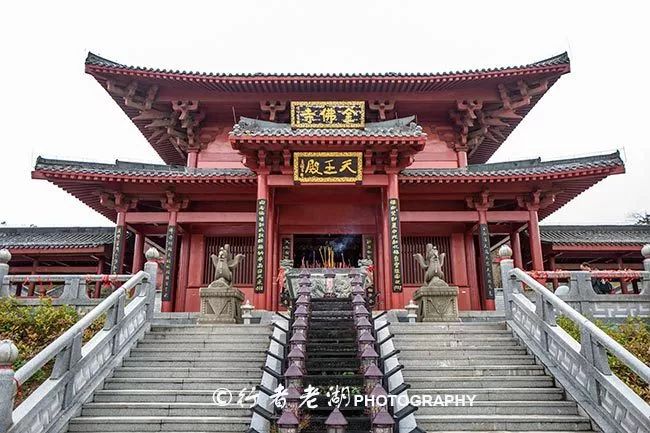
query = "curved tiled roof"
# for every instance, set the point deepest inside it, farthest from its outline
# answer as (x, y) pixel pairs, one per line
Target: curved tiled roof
(95, 60)
(404, 127)
(55, 237)
(525, 167)
(137, 169)
(596, 234)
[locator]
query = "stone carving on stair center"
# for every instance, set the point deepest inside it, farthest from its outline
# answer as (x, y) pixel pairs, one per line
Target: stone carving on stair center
(437, 301)
(220, 301)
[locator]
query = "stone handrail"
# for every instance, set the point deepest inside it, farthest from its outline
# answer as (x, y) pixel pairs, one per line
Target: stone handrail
(74, 290)
(581, 368)
(78, 369)
(608, 274)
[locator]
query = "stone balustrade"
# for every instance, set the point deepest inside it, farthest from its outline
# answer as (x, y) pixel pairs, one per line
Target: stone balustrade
(78, 368)
(582, 368)
(580, 295)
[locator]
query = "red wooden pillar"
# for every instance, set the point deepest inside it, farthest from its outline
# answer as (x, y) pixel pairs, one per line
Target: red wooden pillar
(138, 253)
(535, 240)
(459, 271)
(394, 238)
(515, 243)
(622, 282)
(486, 259)
(183, 272)
(32, 286)
(380, 271)
(385, 259)
(119, 239)
(552, 267)
(274, 261)
(170, 263)
(472, 275)
(98, 284)
(261, 288)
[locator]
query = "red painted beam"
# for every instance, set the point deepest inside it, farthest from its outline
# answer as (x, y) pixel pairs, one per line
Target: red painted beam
(53, 270)
(595, 248)
(287, 180)
(190, 217)
(45, 252)
(461, 216)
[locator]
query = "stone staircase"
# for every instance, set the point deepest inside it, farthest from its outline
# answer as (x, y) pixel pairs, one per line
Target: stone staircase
(332, 361)
(168, 380)
(513, 392)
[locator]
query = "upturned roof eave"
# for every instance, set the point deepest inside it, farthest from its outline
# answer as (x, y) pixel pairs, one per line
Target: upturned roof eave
(551, 66)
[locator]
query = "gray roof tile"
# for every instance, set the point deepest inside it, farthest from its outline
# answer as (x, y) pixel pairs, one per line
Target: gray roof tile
(520, 168)
(95, 60)
(404, 127)
(139, 169)
(596, 235)
(55, 237)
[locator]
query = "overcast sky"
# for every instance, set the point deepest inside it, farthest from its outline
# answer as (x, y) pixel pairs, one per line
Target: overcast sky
(51, 108)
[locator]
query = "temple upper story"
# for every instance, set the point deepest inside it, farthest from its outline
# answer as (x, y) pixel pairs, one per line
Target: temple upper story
(415, 120)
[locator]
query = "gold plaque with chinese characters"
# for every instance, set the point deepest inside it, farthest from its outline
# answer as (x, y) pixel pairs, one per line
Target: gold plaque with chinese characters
(329, 167)
(328, 114)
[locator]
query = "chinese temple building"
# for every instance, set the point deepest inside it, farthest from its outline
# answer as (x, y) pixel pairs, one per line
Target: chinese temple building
(326, 169)
(61, 250)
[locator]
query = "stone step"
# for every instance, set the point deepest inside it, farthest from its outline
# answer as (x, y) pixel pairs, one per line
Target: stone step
(465, 360)
(504, 408)
(164, 409)
(159, 424)
(240, 346)
(504, 352)
(426, 340)
(234, 384)
(448, 326)
(154, 396)
(476, 370)
(453, 343)
(174, 353)
(213, 329)
(187, 372)
(503, 422)
(183, 361)
(209, 338)
(481, 382)
(499, 394)
(420, 334)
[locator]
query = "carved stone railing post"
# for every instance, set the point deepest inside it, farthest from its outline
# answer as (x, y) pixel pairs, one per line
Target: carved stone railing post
(645, 252)
(509, 282)
(581, 285)
(148, 288)
(66, 361)
(5, 256)
(8, 355)
(74, 288)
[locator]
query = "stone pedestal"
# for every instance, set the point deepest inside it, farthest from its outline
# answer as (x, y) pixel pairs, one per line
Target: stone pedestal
(437, 302)
(220, 304)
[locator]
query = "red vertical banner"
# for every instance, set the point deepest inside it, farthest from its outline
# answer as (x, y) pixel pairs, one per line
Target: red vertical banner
(119, 240)
(395, 248)
(260, 245)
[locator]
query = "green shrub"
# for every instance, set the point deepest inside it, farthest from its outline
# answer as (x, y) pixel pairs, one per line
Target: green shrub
(634, 335)
(33, 328)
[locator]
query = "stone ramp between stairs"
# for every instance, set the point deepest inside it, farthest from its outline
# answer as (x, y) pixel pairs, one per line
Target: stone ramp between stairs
(166, 384)
(513, 392)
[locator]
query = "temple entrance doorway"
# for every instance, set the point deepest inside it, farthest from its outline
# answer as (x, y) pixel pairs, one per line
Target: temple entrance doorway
(326, 250)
